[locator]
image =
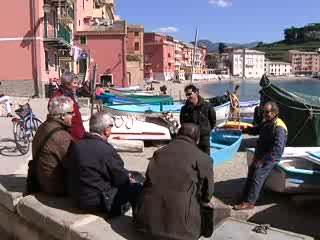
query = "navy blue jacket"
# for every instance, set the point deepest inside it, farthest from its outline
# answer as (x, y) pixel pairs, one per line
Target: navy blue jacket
(95, 167)
(272, 140)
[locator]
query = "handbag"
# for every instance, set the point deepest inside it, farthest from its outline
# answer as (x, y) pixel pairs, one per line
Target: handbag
(33, 185)
(206, 221)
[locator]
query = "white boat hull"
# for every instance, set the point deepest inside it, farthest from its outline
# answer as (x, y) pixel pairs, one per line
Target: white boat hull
(295, 173)
(128, 128)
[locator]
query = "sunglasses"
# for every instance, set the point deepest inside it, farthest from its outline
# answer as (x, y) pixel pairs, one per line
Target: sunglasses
(189, 94)
(267, 111)
(70, 113)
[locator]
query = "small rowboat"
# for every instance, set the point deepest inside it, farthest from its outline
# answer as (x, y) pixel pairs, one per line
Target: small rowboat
(224, 145)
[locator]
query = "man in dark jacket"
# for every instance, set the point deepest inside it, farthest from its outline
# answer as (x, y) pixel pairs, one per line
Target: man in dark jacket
(98, 180)
(199, 112)
(179, 180)
(68, 87)
(270, 146)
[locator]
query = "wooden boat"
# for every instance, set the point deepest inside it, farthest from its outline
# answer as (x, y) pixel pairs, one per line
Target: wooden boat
(247, 107)
(155, 111)
(130, 128)
(127, 89)
(236, 125)
(224, 145)
(234, 229)
(297, 172)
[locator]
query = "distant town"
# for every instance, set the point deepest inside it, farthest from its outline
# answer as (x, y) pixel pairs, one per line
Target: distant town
(61, 35)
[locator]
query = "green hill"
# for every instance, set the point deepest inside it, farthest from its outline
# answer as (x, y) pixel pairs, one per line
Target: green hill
(278, 51)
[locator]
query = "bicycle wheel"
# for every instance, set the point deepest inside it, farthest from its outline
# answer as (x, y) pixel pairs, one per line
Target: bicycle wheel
(32, 126)
(20, 137)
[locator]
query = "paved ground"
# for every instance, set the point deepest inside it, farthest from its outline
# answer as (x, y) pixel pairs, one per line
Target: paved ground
(278, 210)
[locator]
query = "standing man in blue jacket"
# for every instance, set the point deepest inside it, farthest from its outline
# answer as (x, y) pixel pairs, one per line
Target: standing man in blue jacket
(270, 146)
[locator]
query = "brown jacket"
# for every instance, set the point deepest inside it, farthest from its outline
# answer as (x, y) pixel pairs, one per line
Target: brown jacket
(53, 157)
(178, 177)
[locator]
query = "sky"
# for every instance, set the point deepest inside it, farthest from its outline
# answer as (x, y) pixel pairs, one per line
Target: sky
(231, 21)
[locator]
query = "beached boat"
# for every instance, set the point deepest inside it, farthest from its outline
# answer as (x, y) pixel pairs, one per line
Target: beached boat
(127, 89)
(300, 112)
(130, 128)
(110, 99)
(297, 172)
(224, 145)
(247, 107)
(156, 111)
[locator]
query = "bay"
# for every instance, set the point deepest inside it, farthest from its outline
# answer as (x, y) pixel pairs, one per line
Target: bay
(249, 89)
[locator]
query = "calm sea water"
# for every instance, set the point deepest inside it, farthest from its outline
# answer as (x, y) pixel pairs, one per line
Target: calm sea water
(249, 89)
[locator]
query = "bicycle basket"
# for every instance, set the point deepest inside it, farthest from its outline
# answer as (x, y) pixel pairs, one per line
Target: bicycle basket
(23, 111)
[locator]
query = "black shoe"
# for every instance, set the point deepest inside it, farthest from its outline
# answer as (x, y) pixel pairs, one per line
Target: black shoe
(9, 115)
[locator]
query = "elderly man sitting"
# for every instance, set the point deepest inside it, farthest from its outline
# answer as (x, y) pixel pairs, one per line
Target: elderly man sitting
(50, 147)
(98, 180)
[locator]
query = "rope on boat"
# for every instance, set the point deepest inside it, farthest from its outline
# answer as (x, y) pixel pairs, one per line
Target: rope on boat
(263, 228)
(124, 120)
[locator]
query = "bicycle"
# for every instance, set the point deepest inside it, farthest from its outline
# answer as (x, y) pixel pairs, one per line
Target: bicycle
(25, 127)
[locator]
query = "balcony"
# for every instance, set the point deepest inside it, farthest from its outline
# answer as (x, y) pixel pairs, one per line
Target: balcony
(61, 41)
(66, 16)
(61, 2)
(178, 56)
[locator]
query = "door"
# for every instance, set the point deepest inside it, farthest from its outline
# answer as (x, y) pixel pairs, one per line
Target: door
(106, 80)
(83, 66)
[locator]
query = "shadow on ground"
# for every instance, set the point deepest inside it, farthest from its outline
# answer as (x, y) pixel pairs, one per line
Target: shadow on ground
(8, 148)
(13, 182)
(248, 142)
(285, 215)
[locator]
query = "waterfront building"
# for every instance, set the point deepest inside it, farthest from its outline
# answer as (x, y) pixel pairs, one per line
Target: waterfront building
(247, 63)
(278, 68)
(304, 63)
(159, 57)
(135, 55)
(179, 62)
(36, 45)
(102, 39)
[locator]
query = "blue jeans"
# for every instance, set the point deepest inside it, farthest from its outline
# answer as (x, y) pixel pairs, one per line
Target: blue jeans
(255, 181)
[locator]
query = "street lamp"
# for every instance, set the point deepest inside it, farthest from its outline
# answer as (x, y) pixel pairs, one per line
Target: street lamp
(46, 8)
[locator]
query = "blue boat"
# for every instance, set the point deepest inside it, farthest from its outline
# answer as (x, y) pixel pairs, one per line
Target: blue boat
(224, 145)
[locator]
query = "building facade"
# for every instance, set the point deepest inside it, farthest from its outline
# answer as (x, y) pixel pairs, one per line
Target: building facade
(38, 42)
(159, 57)
(278, 68)
(304, 63)
(247, 63)
(135, 63)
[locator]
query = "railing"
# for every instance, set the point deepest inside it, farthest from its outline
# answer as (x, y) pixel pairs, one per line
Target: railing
(64, 33)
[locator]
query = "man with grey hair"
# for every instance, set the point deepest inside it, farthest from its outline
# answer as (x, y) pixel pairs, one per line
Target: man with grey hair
(68, 88)
(50, 147)
(98, 180)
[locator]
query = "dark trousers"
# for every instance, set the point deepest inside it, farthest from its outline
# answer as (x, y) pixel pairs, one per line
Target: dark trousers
(255, 181)
(204, 144)
(125, 195)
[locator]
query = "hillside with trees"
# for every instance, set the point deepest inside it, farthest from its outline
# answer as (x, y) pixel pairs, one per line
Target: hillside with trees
(304, 39)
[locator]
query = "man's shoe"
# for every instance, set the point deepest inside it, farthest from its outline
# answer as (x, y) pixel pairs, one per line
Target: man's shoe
(243, 206)
(9, 115)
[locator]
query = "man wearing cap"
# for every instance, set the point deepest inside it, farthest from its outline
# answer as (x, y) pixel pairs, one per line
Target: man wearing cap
(68, 88)
(98, 181)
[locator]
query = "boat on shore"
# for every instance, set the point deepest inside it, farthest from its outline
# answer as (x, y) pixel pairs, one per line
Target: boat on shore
(155, 111)
(224, 144)
(297, 172)
(247, 107)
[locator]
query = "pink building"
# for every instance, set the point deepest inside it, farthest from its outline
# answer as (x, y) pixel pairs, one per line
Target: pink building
(104, 40)
(36, 44)
(135, 42)
(159, 57)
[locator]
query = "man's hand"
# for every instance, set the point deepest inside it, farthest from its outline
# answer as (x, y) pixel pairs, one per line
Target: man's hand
(257, 163)
(132, 180)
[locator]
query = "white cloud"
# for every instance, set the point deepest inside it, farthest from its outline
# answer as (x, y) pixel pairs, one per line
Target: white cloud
(167, 30)
(221, 3)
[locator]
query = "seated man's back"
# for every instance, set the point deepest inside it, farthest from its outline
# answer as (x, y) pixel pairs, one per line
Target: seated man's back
(95, 168)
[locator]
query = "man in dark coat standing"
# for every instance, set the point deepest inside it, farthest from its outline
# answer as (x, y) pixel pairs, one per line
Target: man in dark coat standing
(68, 88)
(199, 112)
(98, 181)
(179, 179)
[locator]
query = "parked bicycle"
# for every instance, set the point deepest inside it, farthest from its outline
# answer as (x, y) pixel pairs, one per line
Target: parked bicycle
(25, 127)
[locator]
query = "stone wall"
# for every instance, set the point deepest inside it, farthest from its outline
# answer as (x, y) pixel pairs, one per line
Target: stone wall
(21, 88)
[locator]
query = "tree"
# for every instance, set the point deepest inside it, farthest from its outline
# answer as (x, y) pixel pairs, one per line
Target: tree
(211, 61)
(221, 47)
